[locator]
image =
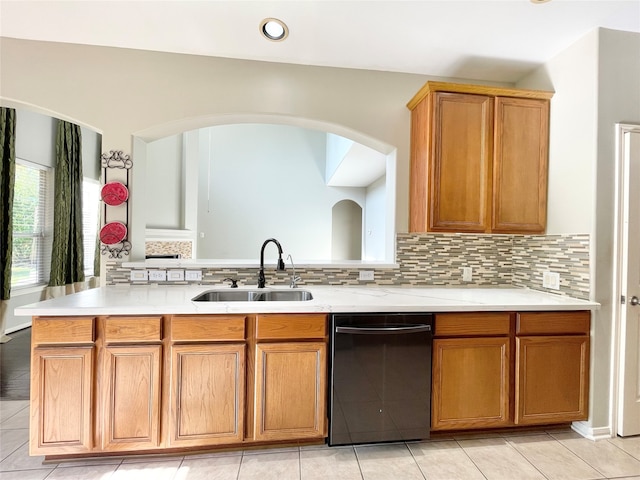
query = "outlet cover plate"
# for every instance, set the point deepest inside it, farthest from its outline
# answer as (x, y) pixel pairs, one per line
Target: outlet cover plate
(158, 275)
(467, 274)
(193, 275)
(551, 280)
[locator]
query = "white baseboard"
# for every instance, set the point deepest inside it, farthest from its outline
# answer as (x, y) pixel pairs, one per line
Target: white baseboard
(18, 327)
(586, 430)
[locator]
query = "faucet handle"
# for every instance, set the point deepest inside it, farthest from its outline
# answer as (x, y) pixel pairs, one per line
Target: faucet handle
(234, 282)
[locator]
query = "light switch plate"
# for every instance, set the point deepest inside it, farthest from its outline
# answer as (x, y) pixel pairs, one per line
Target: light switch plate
(193, 275)
(139, 276)
(158, 275)
(175, 275)
(366, 275)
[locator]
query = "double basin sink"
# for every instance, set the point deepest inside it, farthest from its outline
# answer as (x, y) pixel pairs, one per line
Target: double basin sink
(254, 296)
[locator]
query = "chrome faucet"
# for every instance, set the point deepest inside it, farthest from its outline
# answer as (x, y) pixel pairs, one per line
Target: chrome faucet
(280, 265)
(294, 279)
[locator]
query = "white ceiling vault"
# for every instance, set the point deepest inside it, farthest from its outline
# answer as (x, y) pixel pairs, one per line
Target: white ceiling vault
(474, 39)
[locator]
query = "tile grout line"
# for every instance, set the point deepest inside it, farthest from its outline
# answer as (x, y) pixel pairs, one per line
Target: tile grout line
(469, 457)
(415, 461)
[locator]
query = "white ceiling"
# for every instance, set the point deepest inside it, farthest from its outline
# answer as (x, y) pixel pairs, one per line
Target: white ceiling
(474, 39)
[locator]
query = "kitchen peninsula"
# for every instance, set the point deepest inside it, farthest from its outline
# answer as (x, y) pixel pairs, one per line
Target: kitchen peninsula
(144, 369)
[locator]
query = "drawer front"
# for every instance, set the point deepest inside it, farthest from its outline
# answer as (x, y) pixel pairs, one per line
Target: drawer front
(474, 323)
(553, 323)
(293, 326)
(133, 329)
(208, 328)
(63, 330)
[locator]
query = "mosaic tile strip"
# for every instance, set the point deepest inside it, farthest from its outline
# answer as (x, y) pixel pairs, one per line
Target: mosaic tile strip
(180, 247)
(437, 260)
(567, 255)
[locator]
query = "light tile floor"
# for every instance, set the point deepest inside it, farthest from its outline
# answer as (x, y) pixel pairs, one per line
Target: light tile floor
(554, 455)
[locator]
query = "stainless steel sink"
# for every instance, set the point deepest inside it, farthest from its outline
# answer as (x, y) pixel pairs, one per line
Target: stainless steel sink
(254, 296)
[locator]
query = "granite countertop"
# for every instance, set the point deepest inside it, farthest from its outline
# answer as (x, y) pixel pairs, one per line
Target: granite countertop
(176, 299)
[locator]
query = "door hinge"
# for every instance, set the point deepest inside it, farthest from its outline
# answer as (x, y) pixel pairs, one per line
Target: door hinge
(623, 300)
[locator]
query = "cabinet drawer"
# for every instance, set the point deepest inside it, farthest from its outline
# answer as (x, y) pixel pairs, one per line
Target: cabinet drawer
(553, 323)
(207, 328)
(296, 326)
(474, 323)
(133, 329)
(67, 330)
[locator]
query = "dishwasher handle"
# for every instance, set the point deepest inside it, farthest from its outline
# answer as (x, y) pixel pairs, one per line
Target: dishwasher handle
(384, 330)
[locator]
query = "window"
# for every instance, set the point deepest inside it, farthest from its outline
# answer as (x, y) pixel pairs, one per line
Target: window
(31, 255)
(90, 218)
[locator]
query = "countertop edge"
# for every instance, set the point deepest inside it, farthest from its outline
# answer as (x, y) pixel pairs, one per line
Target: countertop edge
(176, 300)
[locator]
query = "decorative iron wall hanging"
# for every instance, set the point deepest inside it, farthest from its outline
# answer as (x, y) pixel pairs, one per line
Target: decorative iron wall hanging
(114, 234)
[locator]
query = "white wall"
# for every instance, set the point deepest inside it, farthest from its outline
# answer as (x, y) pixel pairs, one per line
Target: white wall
(266, 181)
(374, 220)
(125, 93)
(597, 84)
(164, 202)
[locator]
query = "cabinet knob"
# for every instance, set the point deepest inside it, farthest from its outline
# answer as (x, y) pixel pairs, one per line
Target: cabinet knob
(634, 300)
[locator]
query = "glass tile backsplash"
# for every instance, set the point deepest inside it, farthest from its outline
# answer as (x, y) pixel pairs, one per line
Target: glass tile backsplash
(433, 259)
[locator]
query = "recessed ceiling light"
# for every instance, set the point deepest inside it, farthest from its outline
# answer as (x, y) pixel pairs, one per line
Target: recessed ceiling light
(274, 29)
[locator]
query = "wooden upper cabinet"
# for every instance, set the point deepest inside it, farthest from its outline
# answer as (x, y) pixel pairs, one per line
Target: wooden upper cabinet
(520, 165)
(478, 159)
(460, 172)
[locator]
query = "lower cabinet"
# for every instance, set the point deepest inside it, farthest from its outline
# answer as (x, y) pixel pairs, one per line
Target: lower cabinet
(470, 383)
(290, 390)
(207, 394)
(62, 381)
(208, 380)
(61, 400)
(132, 397)
(131, 375)
(471, 371)
(552, 365)
(479, 383)
(290, 385)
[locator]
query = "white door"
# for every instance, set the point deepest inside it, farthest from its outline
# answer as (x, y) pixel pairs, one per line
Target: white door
(629, 339)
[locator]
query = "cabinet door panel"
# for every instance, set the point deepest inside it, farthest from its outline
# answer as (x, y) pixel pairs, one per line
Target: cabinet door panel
(207, 405)
(61, 397)
(290, 391)
(520, 165)
(460, 171)
(470, 383)
(552, 379)
(132, 403)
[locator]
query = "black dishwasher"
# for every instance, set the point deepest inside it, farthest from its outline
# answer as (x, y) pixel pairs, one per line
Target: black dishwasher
(380, 386)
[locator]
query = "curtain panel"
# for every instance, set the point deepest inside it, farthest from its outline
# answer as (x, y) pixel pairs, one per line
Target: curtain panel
(7, 182)
(67, 256)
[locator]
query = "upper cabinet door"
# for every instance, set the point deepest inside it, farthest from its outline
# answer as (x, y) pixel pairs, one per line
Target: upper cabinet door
(520, 165)
(460, 173)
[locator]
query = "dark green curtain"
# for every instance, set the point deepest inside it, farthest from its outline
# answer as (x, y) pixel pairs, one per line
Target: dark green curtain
(67, 255)
(7, 182)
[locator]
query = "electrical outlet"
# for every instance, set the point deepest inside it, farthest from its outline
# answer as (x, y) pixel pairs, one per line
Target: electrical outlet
(366, 275)
(175, 275)
(158, 275)
(139, 276)
(467, 274)
(193, 275)
(551, 280)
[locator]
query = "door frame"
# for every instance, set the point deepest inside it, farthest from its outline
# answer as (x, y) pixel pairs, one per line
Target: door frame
(619, 273)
